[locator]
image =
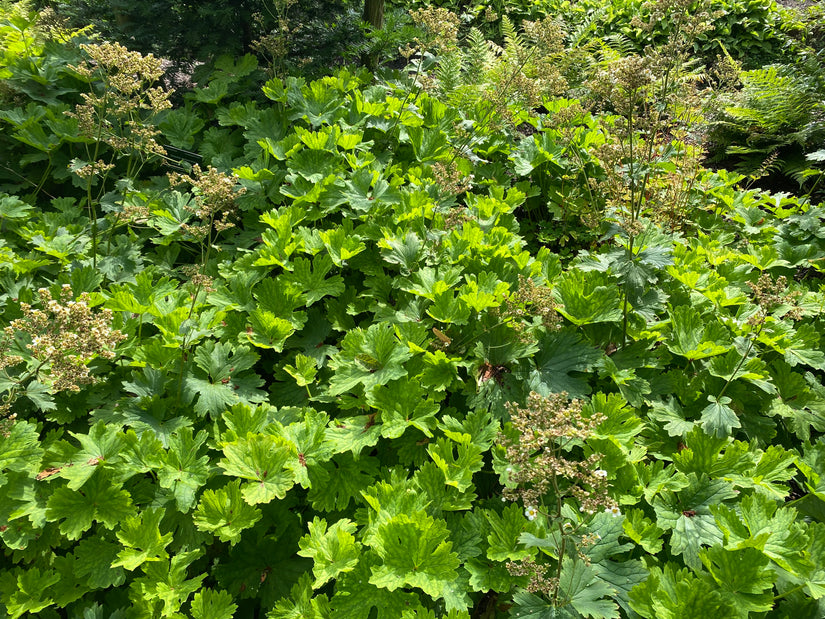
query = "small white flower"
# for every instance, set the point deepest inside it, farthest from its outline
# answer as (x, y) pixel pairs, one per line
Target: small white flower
(613, 511)
(509, 469)
(600, 473)
(531, 513)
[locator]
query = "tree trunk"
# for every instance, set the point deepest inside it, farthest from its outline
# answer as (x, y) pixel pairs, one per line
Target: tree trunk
(374, 13)
(374, 16)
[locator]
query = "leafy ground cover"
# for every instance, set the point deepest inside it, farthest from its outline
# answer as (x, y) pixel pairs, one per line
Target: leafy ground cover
(479, 338)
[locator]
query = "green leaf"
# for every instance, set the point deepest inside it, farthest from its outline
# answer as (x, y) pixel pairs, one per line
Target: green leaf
(225, 383)
(718, 419)
(261, 459)
(561, 355)
(30, 591)
(20, 449)
(428, 144)
(587, 297)
(505, 531)
(368, 358)
(311, 447)
(98, 448)
(167, 582)
(765, 527)
(804, 348)
(333, 551)
(584, 592)
(676, 593)
(341, 244)
(183, 472)
(355, 596)
(692, 337)
(415, 552)
(353, 434)
(13, 208)
(224, 513)
(341, 480)
(98, 501)
(94, 562)
(268, 330)
(458, 460)
(301, 604)
(403, 403)
(313, 282)
(142, 540)
(744, 577)
(688, 515)
(362, 192)
(403, 252)
(304, 370)
(211, 604)
(643, 531)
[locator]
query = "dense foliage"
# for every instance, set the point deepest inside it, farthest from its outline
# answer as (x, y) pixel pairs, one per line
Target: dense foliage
(476, 338)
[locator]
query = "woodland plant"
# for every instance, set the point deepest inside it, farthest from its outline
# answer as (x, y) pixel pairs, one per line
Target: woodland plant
(55, 344)
(119, 112)
(544, 474)
(316, 412)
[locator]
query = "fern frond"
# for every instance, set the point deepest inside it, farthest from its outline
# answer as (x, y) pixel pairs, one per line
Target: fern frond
(514, 44)
(448, 73)
(621, 43)
(478, 56)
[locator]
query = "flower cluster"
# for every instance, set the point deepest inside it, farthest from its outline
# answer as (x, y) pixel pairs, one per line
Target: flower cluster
(770, 294)
(215, 194)
(440, 28)
(120, 113)
(540, 466)
(450, 179)
(63, 337)
(534, 300)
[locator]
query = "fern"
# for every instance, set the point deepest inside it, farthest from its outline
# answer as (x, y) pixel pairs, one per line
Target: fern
(478, 57)
(448, 73)
(515, 48)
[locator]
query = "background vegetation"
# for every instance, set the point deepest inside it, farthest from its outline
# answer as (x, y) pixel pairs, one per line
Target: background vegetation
(498, 310)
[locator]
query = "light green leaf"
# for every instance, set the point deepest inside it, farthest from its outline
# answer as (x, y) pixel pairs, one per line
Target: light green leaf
(142, 540)
(224, 513)
(301, 604)
(588, 297)
(211, 604)
(403, 403)
(183, 472)
(692, 337)
(333, 551)
(643, 531)
(718, 419)
(458, 460)
(261, 459)
(368, 358)
(167, 582)
(415, 552)
(20, 449)
(99, 501)
(31, 591)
